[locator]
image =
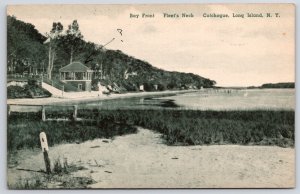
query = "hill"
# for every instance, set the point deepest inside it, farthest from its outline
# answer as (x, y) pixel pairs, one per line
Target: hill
(28, 55)
(25, 49)
(275, 85)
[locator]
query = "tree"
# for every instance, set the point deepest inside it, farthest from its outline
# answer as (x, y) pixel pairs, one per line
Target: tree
(72, 41)
(52, 40)
(25, 51)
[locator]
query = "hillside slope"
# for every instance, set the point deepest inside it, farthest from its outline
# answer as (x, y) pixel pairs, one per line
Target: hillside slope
(28, 55)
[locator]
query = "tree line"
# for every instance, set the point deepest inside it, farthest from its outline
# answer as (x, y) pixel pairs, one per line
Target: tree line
(30, 52)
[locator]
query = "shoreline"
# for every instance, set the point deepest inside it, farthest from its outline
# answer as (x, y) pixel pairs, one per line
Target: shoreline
(79, 99)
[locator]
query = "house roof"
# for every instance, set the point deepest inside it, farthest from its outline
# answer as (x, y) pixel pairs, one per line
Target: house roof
(75, 67)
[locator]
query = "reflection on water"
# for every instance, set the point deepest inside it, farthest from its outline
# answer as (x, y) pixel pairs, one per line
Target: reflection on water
(209, 99)
(132, 103)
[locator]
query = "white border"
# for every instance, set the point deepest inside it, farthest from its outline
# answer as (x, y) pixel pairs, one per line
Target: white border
(3, 144)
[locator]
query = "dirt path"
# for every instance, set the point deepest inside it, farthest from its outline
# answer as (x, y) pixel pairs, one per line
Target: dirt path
(142, 161)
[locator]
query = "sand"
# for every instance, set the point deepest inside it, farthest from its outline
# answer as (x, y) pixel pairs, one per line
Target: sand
(142, 160)
(90, 97)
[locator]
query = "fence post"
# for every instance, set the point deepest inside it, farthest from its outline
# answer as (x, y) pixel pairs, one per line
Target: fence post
(8, 109)
(43, 113)
(75, 113)
(45, 149)
(63, 89)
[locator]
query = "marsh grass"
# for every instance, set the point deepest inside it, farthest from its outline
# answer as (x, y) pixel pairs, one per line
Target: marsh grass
(195, 127)
(179, 127)
(24, 129)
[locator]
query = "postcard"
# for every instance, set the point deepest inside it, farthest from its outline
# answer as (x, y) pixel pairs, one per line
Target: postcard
(150, 96)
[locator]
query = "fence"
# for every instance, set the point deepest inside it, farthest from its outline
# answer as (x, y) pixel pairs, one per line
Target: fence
(56, 112)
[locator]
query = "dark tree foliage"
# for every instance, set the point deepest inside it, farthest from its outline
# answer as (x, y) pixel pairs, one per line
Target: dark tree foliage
(26, 48)
(72, 42)
(279, 85)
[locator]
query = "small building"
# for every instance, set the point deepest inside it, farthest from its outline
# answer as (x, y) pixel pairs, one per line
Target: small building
(141, 87)
(78, 75)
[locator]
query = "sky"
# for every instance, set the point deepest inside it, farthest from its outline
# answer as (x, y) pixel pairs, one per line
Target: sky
(232, 51)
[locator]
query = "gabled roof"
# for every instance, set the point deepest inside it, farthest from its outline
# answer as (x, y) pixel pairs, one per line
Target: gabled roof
(75, 67)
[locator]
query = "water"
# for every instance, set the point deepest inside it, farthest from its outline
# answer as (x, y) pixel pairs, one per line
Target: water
(132, 103)
(282, 99)
(209, 99)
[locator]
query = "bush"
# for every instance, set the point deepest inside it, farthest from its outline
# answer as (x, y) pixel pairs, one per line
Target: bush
(33, 82)
(149, 87)
(17, 92)
(161, 87)
(28, 91)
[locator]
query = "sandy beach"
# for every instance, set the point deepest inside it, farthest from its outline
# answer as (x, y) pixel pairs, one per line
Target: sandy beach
(89, 97)
(142, 160)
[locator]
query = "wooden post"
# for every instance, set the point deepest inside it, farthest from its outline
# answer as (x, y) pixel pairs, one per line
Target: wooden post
(45, 149)
(75, 113)
(63, 89)
(8, 109)
(43, 113)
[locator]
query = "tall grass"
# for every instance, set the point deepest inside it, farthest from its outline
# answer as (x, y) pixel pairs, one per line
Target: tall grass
(24, 129)
(194, 127)
(179, 127)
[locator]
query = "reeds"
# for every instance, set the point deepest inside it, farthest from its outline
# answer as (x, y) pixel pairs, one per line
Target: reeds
(195, 127)
(179, 127)
(24, 129)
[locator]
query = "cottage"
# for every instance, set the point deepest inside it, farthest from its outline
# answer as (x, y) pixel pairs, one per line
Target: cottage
(78, 75)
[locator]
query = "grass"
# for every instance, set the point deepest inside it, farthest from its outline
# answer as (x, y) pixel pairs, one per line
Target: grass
(41, 182)
(179, 127)
(61, 168)
(60, 177)
(194, 127)
(37, 182)
(24, 129)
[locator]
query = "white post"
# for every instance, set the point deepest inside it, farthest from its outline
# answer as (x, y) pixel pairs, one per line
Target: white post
(75, 113)
(43, 113)
(45, 149)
